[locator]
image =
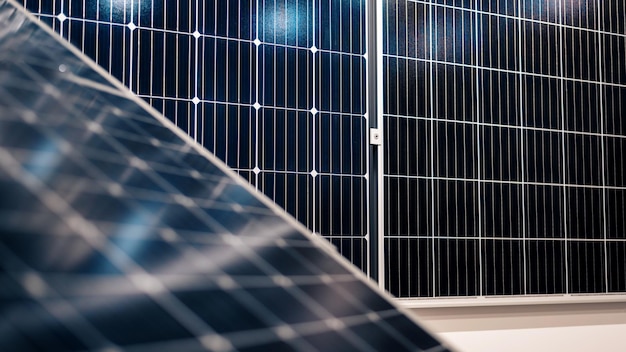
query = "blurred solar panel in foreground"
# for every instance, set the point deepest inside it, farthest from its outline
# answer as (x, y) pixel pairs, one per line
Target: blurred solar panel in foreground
(117, 233)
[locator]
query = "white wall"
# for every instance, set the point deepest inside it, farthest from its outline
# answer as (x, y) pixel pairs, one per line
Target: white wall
(550, 327)
(571, 338)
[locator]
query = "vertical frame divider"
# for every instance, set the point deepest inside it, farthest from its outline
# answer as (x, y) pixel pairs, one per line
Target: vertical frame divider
(375, 152)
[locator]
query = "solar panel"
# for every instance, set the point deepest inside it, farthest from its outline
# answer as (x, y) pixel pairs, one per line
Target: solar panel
(503, 128)
(273, 88)
(502, 125)
(118, 232)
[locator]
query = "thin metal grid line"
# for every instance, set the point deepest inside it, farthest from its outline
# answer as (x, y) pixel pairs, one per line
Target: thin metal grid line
(406, 77)
(62, 12)
(297, 130)
(97, 47)
(136, 74)
(521, 148)
(214, 83)
(165, 80)
(476, 59)
(110, 63)
(310, 149)
(331, 101)
(131, 45)
(383, 73)
(432, 151)
(196, 80)
(341, 127)
(273, 89)
(314, 118)
(256, 98)
(563, 155)
(602, 152)
(398, 246)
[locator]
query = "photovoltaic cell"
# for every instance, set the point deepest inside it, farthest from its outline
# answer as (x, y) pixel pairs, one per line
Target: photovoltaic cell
(118, 232)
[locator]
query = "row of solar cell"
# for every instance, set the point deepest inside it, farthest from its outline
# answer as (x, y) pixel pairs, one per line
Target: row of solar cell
(594, 15)
(544, 156)
(294, 22)
(415, 88)
(503, 267)
(506, 210)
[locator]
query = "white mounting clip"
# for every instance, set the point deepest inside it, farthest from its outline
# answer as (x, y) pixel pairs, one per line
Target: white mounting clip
(376, 136)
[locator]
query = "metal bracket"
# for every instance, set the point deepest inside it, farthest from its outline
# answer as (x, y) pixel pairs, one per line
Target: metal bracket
(376, 136)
